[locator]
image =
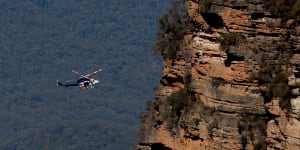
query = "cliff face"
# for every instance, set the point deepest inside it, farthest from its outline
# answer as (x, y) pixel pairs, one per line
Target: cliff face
(234, 85)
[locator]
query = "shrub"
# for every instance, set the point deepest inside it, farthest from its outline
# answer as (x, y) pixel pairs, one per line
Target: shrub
(277, 87)
(286, 9)
(205, 7)
(274, 75)
(265, 74)
(252, 127)
(172, 28)
(217, 81)
(231, 39)
(260, 145)
(243, 141)
(212, 125)
(179, 101)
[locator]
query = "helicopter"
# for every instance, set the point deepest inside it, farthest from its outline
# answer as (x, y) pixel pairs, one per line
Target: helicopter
(84, 82)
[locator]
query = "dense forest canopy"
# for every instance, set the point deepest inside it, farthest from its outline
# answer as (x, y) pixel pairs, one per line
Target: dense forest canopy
(43, 40)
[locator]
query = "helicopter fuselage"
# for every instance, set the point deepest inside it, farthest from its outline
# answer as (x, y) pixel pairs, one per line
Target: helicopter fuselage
(85, 83)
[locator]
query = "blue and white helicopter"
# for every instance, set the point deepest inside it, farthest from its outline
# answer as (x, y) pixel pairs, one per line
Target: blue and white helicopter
(85, 82)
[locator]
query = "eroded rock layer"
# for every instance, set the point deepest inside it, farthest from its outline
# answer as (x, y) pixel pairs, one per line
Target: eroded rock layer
(236, 95)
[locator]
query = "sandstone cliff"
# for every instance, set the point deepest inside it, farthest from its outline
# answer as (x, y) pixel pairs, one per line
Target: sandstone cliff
(233, 83)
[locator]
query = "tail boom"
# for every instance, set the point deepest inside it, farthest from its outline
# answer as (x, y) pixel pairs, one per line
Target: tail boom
(65, 85)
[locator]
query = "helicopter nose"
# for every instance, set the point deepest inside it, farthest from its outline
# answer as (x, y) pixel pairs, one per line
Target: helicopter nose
(96, 81)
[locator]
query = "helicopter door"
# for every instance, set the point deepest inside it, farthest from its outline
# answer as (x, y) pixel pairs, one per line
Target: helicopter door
(86, 83)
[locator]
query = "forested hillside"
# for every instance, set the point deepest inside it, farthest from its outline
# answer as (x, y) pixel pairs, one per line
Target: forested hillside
(43, 40)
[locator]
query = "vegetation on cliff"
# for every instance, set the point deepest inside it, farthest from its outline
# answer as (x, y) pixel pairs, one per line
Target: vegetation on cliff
(172, 27)
(252, 128)
(231, 39)
(266, 62)
(180, 103)
(286, 9)
(274, 75)
(273, 71)
(273, 58)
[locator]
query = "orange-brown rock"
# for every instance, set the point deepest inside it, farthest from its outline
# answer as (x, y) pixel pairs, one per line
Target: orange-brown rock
(232, 107)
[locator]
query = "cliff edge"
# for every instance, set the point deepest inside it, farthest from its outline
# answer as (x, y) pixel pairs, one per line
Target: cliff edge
(231, 77)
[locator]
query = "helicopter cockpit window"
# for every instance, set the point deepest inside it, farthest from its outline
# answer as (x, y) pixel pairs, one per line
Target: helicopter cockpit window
(86, 83)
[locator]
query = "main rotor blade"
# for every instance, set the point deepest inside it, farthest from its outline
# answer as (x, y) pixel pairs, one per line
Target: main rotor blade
(77, 72)
(92, 73)
(88, 75)
(80, 74)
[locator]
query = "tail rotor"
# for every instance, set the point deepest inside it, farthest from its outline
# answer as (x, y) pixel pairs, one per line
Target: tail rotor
(59, 83)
